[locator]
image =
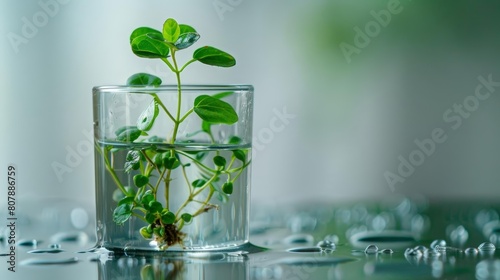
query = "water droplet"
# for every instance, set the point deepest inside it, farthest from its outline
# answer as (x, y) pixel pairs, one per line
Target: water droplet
(298, 238)
(421, 248)
(486, 246)
(326, 245)
(386, 251)
(431, 253)
(438, 242)
(30, 242)
(80, 237)
(393, 239)
(413, 253)
(332, 238)
(305, 250)
(371, 249)
(471, 251)
(446, 249)
(36, 261)
(45, 251)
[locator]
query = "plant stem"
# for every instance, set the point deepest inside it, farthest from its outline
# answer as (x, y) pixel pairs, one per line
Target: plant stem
(111, 170)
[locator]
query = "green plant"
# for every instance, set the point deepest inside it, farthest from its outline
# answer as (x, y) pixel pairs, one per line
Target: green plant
(153, 164)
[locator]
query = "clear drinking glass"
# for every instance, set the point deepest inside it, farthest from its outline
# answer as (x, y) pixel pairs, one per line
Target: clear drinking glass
(165, 178)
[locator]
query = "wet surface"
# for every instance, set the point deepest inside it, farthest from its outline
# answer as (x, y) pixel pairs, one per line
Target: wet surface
(403, 239)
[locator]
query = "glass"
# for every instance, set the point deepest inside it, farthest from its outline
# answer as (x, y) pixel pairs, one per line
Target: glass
(165, 178)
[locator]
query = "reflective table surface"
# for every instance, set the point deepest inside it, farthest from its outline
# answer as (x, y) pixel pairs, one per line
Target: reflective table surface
(398, 239)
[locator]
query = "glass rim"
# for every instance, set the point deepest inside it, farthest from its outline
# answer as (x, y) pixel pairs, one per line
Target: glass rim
(173, 87)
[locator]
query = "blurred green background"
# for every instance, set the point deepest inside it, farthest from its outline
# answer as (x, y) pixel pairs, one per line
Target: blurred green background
(343, 89)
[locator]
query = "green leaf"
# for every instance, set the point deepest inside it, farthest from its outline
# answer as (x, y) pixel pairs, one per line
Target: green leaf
(234, 140)
(215, 57)
(145, 233)
(198, 183)
(126, 200)
(170, 162)
(148, 116)
(213, 110)
(140, 180)
(150, 217)
(227, 187)
(147, 199)
(221, 95)
(155, 207)
(144, 31)
(150, 46)
(122, 213)
(206, 126)
(168, 217)
(220, 161)
(184, 28)
(132, 161)
(187, 217)
(186, 40)
(143, 79)
(127, 133)
(239, 154)
(171, 30)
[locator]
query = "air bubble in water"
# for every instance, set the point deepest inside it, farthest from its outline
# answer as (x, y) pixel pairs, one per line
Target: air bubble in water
(438, 242)
(326, 245)
(486, 247)
(371, 249)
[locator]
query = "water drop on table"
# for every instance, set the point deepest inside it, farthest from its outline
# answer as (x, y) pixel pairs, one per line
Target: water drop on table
(412, 252)
(298, 238)
(46, 251)
(438, 242)
(35, 261)
(371, 249)
(30, 242)
(386, 251)
(486, 247)
(305, 250)
(326, 245)
(471, 251)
